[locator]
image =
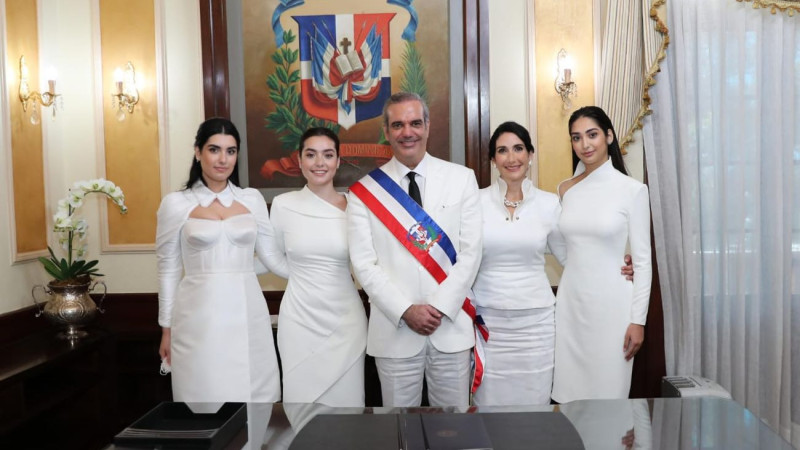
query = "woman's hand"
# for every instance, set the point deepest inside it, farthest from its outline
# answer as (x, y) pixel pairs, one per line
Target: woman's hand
(627, 269)
(634, 337)
(164, 349)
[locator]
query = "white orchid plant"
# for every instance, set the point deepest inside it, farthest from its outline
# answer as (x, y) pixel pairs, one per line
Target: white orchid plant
(71, 231)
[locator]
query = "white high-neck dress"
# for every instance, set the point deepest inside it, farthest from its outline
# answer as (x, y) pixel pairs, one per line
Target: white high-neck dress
(595, 305)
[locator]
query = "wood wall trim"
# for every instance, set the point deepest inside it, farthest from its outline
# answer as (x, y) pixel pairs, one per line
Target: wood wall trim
(476, 87)
(214, 32)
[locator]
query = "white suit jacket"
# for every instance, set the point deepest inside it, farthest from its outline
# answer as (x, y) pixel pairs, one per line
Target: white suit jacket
(394, 280)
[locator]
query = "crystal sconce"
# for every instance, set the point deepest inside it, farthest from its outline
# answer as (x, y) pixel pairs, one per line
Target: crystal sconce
(126, 96)
(36, 98)
(564, 85)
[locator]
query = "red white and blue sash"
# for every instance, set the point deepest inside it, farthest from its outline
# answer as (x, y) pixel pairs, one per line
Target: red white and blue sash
(423, 237)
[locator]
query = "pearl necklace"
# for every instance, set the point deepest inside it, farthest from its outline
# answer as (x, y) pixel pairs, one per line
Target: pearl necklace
(511, 204)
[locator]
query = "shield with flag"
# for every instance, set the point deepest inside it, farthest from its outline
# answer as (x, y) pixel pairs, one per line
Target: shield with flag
(344, 65)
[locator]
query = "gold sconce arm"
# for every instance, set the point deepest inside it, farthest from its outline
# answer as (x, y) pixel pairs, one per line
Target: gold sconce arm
(127, 95)
(563, 84)
(28, 97)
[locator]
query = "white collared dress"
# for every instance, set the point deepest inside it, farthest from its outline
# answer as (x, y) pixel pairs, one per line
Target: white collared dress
(513, 294)
(221, 336)
(322, 326)
(595, 305)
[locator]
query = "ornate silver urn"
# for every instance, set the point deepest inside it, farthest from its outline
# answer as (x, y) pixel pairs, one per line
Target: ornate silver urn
(69, 305)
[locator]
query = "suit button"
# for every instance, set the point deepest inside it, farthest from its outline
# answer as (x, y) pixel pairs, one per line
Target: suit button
(506, 219)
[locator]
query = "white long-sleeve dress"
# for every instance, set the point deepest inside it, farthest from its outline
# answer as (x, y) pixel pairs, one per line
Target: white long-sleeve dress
(513, 294)
(221, 338)
(595, 305)
(322, 326)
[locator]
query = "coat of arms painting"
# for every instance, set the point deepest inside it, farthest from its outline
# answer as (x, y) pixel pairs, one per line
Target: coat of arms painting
(333, 64)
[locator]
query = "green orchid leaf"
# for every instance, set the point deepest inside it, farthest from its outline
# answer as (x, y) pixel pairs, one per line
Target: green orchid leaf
(51, 268)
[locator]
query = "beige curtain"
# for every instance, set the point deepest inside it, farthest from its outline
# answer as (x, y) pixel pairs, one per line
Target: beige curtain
(634, 41)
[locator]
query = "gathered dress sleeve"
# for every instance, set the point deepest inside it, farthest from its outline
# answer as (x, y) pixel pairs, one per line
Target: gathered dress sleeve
(639, 235)
(266, 251)
(171, 216)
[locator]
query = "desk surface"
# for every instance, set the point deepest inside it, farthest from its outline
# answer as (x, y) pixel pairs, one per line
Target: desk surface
(662, 423)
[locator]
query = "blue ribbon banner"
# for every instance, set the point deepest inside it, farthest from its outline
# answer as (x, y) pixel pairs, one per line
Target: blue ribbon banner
(409, 33)
(276, 18)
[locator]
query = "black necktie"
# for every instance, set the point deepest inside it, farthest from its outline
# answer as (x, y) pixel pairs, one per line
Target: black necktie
(413, 188)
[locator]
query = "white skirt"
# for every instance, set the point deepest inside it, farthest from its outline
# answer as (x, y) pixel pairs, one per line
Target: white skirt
(518, 366)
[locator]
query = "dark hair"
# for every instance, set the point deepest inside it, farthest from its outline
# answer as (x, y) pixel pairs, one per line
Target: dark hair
(513, 128)
(216, 125)
(319, 131)
(601, 119)
(402, 97)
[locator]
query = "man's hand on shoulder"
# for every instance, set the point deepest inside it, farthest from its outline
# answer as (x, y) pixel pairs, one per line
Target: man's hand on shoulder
(423, 319)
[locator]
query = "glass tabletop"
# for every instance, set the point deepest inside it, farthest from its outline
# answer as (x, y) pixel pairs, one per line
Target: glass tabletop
(661, 423)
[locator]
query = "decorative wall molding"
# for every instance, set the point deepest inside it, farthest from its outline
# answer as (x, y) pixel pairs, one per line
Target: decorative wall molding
(785, 6)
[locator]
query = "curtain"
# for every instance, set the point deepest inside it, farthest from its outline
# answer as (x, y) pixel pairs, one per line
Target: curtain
(631, 49)
(723, 162)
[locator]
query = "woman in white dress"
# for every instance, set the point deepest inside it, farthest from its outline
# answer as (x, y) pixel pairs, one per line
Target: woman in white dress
(216, 332)
(600, 317)
(512, 292)
(322, 326)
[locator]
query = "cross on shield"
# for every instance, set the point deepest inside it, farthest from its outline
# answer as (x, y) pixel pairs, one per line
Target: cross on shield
(344, 66)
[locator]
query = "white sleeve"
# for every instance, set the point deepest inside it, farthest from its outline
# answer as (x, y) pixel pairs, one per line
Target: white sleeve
(171, 216)
(639, 235)
(376, 282)
(266, 250)
(555, 240)
(276, 259)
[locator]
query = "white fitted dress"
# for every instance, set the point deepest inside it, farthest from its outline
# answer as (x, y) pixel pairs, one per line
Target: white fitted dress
(322, 326)
(595, 305)
(221, 337)
(514, 297)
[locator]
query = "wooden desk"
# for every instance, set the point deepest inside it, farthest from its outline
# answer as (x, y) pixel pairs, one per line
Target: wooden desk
(56, 393)
(661, 423)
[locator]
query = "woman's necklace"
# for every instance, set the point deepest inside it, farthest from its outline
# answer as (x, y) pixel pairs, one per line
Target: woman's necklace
(511, 204)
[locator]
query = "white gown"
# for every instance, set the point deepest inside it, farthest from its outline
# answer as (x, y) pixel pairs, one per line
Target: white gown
(594, 304)
(322, 326)
(221, 337)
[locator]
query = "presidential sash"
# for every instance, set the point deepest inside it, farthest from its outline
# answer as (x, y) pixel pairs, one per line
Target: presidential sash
(423, 238)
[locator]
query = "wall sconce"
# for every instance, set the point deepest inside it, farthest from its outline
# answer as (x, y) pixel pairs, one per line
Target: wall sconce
(34, 98)
(564, 85)
(126, 96)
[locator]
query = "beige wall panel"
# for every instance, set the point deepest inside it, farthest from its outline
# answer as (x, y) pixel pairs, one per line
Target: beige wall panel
(568, 25)
(30, 211)
(127, 33)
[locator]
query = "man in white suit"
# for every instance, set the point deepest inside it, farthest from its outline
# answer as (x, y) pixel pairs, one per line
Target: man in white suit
(417, 327)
